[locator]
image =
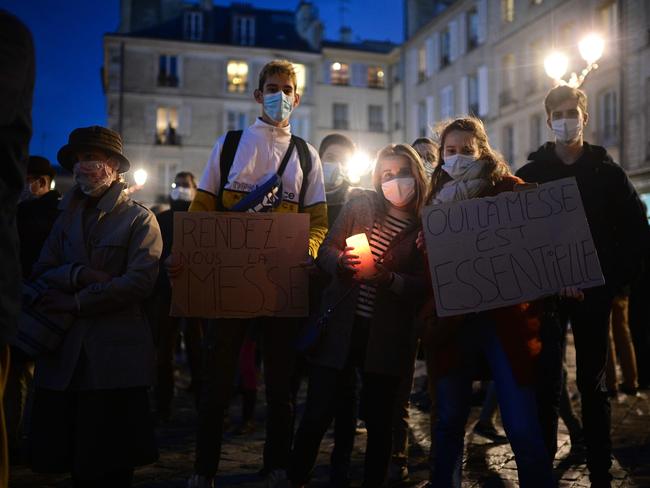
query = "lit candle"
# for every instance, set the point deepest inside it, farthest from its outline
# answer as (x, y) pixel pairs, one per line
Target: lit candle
(361, 247)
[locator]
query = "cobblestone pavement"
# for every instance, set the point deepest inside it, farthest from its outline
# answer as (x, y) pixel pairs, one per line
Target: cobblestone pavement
(486, 464)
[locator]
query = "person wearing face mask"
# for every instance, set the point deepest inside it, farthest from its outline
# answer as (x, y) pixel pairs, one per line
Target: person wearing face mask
(167, 328)
(620, 233)
(90, 415)
(264, 168)
(428, 151)
(335, 151)
(508, 337)
(370, 326)
(35, 216)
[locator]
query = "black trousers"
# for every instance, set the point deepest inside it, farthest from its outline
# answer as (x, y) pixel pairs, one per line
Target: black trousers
(378, 398)
(590, 325)
(222, 342)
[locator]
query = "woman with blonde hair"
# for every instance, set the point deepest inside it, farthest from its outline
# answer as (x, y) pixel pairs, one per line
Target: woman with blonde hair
(507, 337)
(370, 324)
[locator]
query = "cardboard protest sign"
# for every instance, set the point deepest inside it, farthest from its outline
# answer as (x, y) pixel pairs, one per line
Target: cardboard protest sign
(486, 253)
(240, 265)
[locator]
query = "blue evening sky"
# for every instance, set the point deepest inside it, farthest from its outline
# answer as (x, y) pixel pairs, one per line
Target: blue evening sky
(68, 39)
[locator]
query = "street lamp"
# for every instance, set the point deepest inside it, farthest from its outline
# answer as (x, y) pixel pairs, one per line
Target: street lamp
(591, 50)
(140, 177)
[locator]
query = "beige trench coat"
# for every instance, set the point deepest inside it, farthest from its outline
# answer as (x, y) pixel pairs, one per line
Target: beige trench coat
(109, 344)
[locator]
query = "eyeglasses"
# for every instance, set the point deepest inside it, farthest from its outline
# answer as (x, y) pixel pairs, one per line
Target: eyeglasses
(91, 165)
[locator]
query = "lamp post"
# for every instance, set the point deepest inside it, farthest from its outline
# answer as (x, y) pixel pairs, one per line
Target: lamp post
(591, 50)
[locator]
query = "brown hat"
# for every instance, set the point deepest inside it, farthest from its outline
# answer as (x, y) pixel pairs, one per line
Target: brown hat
(39, 166)
(94, 137)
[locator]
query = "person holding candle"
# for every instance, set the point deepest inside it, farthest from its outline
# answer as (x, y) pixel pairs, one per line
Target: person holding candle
(507, 337)
(371, 304)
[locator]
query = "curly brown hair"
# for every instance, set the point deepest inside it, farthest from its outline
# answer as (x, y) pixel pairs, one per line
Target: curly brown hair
(494, 165)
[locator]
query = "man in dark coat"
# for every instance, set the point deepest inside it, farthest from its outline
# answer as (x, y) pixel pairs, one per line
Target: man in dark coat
(619, 230)
(16, 90)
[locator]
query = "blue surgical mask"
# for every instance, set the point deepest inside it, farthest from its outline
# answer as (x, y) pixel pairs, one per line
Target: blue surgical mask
(278, 106)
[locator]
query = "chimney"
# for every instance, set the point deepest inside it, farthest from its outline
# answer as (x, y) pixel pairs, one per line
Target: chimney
(345, 34)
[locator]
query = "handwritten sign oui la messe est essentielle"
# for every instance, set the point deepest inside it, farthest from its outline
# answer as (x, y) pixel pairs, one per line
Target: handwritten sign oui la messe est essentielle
(486, 253)
(240, 265)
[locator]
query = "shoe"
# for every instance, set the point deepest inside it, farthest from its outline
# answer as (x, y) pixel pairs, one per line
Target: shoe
(489, 432)
(398, 473)
(277, 479)
(199, 481)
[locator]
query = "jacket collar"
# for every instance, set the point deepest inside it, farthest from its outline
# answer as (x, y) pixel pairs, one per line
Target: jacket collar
(262, 126)
(106, 203)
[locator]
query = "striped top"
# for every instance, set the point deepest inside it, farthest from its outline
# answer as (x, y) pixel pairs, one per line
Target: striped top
(383, 234)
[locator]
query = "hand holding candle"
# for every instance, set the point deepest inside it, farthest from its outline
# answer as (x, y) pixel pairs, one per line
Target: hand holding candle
(358, 246)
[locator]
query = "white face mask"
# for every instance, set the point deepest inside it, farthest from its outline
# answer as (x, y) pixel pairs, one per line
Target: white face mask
(458, 164)
(332, 175)
(93, 177)
(399, 191)
(566, 130)
(180, 193)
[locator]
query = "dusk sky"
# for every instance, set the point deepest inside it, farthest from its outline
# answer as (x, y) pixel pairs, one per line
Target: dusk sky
(68, 39)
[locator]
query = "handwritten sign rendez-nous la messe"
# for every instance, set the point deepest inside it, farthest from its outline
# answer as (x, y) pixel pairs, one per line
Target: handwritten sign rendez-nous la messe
(486, 253)
(240, 265)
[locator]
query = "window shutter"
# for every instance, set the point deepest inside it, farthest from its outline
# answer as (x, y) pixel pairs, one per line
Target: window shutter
(463, 97)
(428, 47)
(453, 40)
(185, 120)
(359, 74)
(436, 52)
(462, 33)
(326, 72)
(481, 9)
(150, 113)
(483, 91)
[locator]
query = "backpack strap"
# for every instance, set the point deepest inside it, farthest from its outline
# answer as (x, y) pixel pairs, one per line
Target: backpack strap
(226, 159)
(306, 165)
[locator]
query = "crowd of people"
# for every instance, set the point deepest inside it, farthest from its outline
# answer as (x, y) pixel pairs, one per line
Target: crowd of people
(98, 336)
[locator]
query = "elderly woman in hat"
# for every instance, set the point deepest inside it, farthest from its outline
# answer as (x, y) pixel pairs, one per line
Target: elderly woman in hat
(91, 414)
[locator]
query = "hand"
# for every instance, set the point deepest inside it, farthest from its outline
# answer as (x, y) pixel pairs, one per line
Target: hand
(380, 278)
(420, 243)
(88, 276)
(57, 301)
(572, 292)
(347, 260)
(173, 266)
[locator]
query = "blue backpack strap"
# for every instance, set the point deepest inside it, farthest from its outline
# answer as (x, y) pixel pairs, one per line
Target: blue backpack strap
(306, 165)
(226, 159)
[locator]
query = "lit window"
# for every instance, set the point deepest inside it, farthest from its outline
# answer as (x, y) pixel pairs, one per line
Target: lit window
(237, 76)
(340, 73)
(508, 10)
(376, 77)
(167, 126)
(167, 71)
(301, 77)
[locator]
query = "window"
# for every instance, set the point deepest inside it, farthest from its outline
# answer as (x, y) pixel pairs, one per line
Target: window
(397, 115)
(422, 119)
(609, 118)
(167, 71)
(537, 131)
(237, 76)
(301, 77)
(236, 120)
(447, 102)
(422, 63)
(535, 74)
(506, 96)
(340, 73)
(193, 28)
(244, 31)
(609, 19)
(340, 112)
(376, 77)
(445, 48)
(473, 104)
(167, 126)
(472, 29)
(376, 118)
(509, 144)
(167, 170)
(507, 11)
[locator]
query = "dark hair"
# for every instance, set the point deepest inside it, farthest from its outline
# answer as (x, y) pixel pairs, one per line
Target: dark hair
(423, 140)
(187, 174)
(331, 139)
(563, 93)
(494, 166)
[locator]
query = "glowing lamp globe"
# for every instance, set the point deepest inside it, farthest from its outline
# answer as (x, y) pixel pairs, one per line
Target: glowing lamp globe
(591, 48)
(140, 177)
(556, 65)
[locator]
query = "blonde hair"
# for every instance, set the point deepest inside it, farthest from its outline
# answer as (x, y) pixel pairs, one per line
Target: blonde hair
(494, 166)
(417, 169)
(278, 67)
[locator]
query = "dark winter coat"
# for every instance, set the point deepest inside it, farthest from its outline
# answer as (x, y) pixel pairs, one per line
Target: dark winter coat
(34, 219)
